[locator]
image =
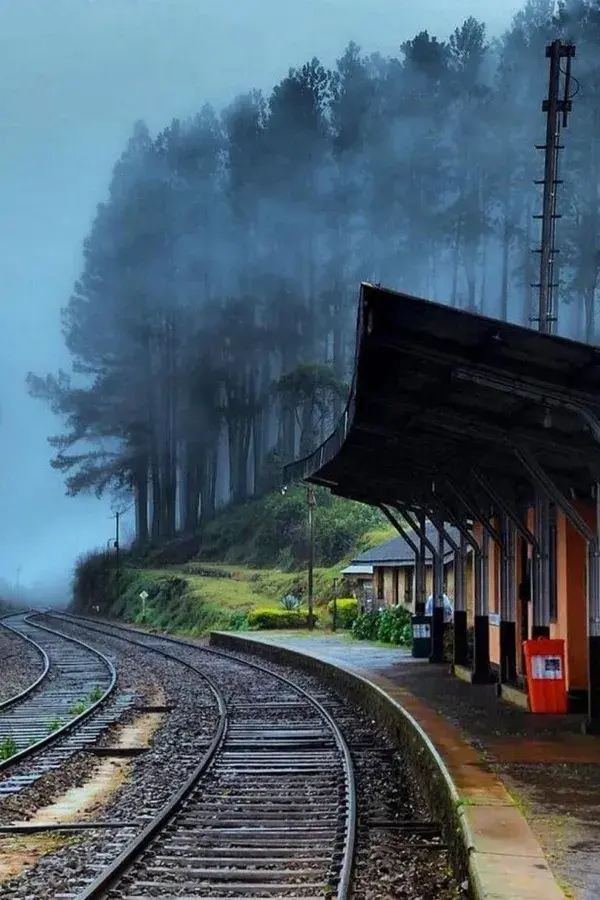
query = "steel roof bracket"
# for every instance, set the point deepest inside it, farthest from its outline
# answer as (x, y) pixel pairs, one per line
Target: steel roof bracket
(507, 508)
(542, 480)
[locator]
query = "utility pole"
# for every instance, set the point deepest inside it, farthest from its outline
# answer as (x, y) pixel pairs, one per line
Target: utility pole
(554, 109)
(117, 556)
(310, 496)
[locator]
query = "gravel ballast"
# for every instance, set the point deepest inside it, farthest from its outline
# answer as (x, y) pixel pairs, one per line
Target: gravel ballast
(22, 664)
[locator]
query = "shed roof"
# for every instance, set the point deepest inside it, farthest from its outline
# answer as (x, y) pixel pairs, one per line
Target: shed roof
(358, 569)
(398, 552)
(438, 393)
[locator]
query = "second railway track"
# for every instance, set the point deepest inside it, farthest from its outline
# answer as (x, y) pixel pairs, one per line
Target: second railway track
(59, 712)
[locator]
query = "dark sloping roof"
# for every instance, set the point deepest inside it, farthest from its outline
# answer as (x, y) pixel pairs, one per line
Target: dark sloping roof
(438, 393)
(398, 551)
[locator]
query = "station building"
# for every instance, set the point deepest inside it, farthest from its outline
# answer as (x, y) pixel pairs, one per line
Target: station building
(493, 429)
(386, 575)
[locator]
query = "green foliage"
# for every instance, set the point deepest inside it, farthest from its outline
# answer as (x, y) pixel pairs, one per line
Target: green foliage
(346, 611)
(54, 725)
(393, 625)
(291, 602)
(277, 618)
(366, 625)
(8, 747)
(76, 709)
(95, 694)
(274, 530)
(238, 622)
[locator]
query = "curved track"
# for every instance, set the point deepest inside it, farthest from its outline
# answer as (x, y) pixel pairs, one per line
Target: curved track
(65, 698)
(5, 704)
(270, 810)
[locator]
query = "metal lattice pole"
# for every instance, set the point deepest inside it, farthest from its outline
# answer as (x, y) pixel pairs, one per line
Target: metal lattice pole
(554, 109)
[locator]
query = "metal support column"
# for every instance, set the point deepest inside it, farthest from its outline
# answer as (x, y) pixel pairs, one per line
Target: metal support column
(466, 540)
(422, 573)
(511, 524)
(460, 631)
(540, 595)
(481, 643)
(508, 605)
(437, 618)
(461, 628)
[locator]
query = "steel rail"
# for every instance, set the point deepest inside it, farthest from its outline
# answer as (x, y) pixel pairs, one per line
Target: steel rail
(4, 704)
(99, 886)
(76, 720)
(105, 879)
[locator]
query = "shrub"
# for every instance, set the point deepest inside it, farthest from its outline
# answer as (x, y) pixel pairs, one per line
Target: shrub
(395, 625)
(277, 618)
(238, 621)
(366, 626)
(291, 602)
(346, 611)
(392, 625)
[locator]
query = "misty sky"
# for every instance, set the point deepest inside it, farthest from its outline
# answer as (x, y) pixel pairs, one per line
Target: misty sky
(74, 75)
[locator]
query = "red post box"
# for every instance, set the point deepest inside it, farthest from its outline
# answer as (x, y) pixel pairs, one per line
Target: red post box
(545, 667)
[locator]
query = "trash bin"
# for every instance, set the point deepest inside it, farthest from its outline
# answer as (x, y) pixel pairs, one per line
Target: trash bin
(421, 636)
(545, 668)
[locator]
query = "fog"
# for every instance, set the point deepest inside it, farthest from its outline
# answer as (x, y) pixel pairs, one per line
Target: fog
(76, 74)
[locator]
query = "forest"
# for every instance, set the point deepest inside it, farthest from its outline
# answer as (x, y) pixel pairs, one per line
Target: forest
(212, 328)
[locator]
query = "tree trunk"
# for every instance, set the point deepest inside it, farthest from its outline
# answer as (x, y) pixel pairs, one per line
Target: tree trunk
(141, 503)
(505, 267)
(156, 502)
(455, 264)
(306, 430)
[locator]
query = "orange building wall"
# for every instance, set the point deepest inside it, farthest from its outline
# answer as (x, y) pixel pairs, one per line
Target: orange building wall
(571, 620)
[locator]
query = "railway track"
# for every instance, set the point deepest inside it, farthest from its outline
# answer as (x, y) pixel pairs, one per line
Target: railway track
(61, 711)
(270, 810)
(247, 790)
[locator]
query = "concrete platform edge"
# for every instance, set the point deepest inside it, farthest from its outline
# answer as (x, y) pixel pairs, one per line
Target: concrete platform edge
(497, 869)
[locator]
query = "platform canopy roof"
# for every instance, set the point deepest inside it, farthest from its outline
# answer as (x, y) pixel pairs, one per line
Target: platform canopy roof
(443, 400)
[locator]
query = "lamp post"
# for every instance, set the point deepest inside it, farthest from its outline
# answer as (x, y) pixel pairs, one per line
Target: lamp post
(310, 496)
(334, 616)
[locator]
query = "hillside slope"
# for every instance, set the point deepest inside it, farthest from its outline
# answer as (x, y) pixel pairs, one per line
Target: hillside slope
(250, 556)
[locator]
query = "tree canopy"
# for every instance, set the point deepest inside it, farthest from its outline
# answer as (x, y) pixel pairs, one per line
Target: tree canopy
(211, 330)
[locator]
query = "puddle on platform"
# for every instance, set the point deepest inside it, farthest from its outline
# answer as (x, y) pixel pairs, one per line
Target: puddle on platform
(81, 803)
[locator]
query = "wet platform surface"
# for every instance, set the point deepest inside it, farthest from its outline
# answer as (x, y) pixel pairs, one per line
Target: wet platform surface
(550, 769)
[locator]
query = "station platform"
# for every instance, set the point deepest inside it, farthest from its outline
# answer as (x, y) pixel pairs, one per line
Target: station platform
(510, 763)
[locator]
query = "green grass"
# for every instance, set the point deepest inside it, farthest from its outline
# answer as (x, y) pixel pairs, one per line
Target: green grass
(8, 748)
